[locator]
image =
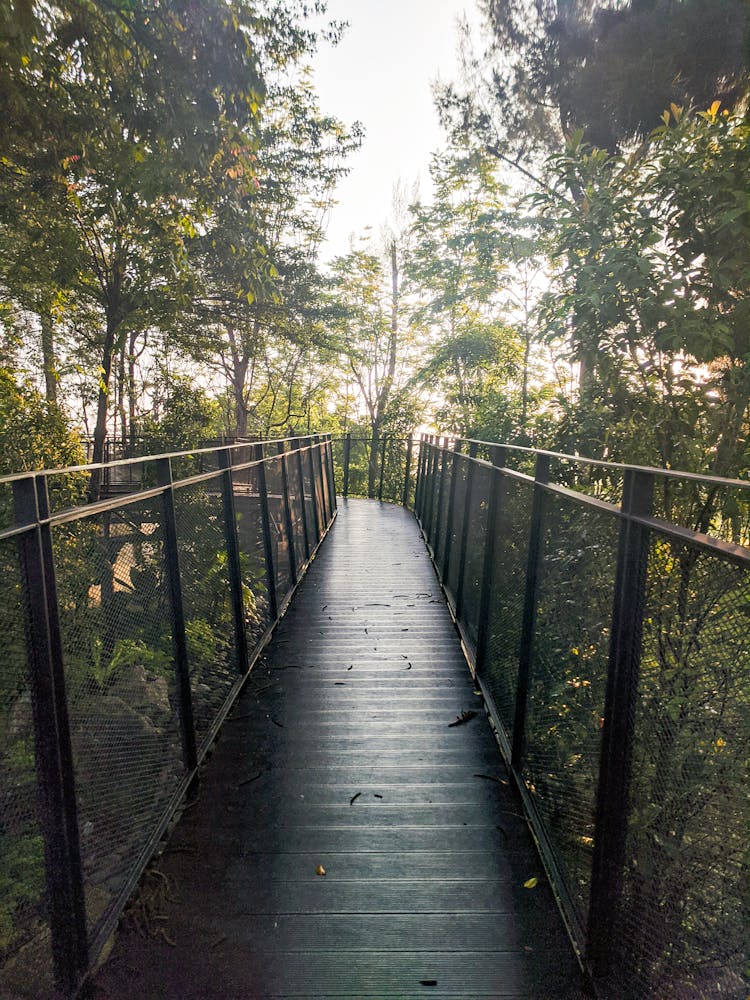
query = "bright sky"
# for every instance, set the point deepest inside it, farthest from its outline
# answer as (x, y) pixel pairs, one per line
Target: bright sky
(381, 74)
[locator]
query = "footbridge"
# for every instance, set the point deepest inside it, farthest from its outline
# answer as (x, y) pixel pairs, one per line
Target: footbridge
(483, 734)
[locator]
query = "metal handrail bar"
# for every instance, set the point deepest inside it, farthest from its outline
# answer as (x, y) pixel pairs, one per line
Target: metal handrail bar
(140, 459)
(619, 466)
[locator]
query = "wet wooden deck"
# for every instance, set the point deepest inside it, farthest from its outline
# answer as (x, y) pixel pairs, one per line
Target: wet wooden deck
(340, 754)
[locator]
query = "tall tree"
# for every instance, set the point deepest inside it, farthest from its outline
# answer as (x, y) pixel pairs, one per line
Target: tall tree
(553, 66)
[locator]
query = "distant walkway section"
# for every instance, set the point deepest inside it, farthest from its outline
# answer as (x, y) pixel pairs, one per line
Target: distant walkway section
(355, 834)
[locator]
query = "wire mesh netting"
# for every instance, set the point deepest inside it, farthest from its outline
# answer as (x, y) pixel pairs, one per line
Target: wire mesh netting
(207, 600)
(684, 924)
(376, 468)
(500, 672)
(249, 515)
(321, 494)
(25, 955)
(311, 517)
(476, 511)
(296, 507)
(568, 680)
(455, 523)
(441, 510)
(279, 535)
(117, 650)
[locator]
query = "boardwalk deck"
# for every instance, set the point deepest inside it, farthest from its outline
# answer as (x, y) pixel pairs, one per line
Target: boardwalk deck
(339, 753)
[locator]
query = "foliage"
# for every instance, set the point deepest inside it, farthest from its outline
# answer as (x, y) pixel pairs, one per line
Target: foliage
(550, 67)
(652, 262)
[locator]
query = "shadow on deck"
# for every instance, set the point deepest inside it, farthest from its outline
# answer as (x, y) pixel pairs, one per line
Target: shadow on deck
(340, 754)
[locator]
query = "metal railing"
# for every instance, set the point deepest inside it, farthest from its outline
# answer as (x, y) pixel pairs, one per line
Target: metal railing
(605, 609)
(382, 473)
(128, 627)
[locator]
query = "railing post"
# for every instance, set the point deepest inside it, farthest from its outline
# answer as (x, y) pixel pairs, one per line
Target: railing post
(430, 506)
(528, 624)
(330, 474)
(382, 467)
(288, 526)
(407, 474)
(494, 513)
(470, 479)
(179, 643)
(612, 806)
(273, 603)
(419, 489)
(347, 453)
(53, 752)
(233, 560)
(317, 521)
(441, 498)
(325, 511)
(451, 510)
(301, 476)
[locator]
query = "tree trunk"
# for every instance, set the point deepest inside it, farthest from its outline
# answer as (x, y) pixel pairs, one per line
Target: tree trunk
(132, 420)
(48, 354)
(102, 404)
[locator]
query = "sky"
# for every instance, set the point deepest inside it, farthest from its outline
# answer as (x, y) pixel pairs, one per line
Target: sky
(381, 74)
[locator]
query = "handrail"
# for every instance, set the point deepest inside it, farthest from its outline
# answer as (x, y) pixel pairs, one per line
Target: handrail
(610, 647)
(135, 635)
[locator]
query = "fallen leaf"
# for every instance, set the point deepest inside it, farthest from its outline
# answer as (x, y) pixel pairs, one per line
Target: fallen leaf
(531, 883)
(428, 982)
(463, 718)
(354, 798)
(320, 870)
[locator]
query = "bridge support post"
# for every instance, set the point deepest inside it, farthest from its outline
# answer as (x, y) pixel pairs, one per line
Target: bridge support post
(233, 561)
(53, 750)
(430, 480)
(444, 456)
(612, 806)
(494, 513)
(528, 623)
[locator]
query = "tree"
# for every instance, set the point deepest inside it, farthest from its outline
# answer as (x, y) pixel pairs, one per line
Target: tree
(610, 68)
(376, 346)
(134, 104)
(461, 275)
(652, 262)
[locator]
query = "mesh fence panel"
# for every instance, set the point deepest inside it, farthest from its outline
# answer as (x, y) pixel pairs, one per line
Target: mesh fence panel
(568, 681)
(395, 469)
(296, 507)
(311, 520)
(318, 460)
(206, 599)
(25, 957)
(684, 926)
(472, 583)
(506, 600)
(453, 532)
(441, 510)
(279, 537)
(117, 648)
(245, 484)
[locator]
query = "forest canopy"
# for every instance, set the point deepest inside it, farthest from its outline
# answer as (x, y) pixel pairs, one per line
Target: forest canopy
(575, 274)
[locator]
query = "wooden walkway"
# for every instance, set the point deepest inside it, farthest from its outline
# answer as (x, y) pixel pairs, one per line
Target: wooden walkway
(340, 754)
